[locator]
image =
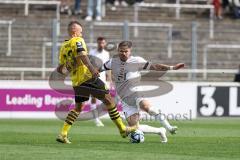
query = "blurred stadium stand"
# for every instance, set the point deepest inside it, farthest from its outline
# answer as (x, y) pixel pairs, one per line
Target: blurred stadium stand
(30, 32)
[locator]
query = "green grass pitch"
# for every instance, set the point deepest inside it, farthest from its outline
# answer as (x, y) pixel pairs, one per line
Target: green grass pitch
(213, 139)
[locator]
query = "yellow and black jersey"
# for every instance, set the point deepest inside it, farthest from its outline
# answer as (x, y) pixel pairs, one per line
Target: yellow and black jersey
(70, 49)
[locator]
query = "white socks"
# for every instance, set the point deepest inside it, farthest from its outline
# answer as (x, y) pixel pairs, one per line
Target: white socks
(97, 121)
(153, 130)
(163, 120)
(93, 107)
(149, 129)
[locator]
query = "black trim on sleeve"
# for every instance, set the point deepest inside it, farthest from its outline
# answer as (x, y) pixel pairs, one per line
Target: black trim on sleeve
(105, 67)
(79, 47)
(146, 65)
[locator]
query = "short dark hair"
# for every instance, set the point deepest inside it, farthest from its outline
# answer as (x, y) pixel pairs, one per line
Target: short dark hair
(127, 44)
(72, 23)
(101, 38)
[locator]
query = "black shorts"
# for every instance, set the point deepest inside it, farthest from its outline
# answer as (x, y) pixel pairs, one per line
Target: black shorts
(95, 87)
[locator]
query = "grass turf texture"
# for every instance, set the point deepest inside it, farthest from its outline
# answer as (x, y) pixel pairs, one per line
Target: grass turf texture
(198, 139)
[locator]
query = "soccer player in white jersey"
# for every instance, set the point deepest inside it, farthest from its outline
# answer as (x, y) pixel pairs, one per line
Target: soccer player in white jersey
(105, 76)
(125, 71)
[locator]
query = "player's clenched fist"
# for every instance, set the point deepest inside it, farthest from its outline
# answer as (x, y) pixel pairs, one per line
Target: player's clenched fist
(95, 73)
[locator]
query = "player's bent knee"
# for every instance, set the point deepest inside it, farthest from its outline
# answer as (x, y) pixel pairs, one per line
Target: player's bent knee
(144, 102)
(78, 107)
(154, 111)
(133, 119)
(93, 100)
(108, 100)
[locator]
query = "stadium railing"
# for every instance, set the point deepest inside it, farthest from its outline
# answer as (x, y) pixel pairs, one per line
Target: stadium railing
(178, 7)
(127, 24)
(29, 69)
(177, 11)
(32, 2)
(9, 46)
(216, 46)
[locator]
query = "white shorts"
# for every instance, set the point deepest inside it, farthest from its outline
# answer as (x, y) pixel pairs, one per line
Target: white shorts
(130, 110)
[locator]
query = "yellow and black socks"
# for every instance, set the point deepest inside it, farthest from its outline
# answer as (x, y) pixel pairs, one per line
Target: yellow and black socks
(71, 118)
(115, 117)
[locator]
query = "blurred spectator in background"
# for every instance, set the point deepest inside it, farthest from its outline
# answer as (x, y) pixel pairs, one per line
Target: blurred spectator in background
(218, 8)
(236, 8)
(120, 2)
(113, 3)
(94, 7)
(77, 7)
(110, 4)
(105, 76)
(237, 75)
(139, 1)
(65, 7)
(225, 3)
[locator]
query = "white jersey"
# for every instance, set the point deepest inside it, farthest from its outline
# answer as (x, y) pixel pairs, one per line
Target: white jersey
(126, 74)
(104, 57)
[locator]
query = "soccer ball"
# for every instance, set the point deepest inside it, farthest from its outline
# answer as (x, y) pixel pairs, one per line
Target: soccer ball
(137, 137)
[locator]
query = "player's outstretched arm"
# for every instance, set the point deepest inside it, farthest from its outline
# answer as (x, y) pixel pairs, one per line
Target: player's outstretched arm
(164, 67)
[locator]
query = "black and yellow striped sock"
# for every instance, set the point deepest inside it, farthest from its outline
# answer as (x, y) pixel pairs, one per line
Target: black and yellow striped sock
(115, 117)
(71, 118)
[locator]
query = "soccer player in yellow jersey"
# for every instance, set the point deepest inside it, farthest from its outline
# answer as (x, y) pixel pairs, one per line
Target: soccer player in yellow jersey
(74, 59)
